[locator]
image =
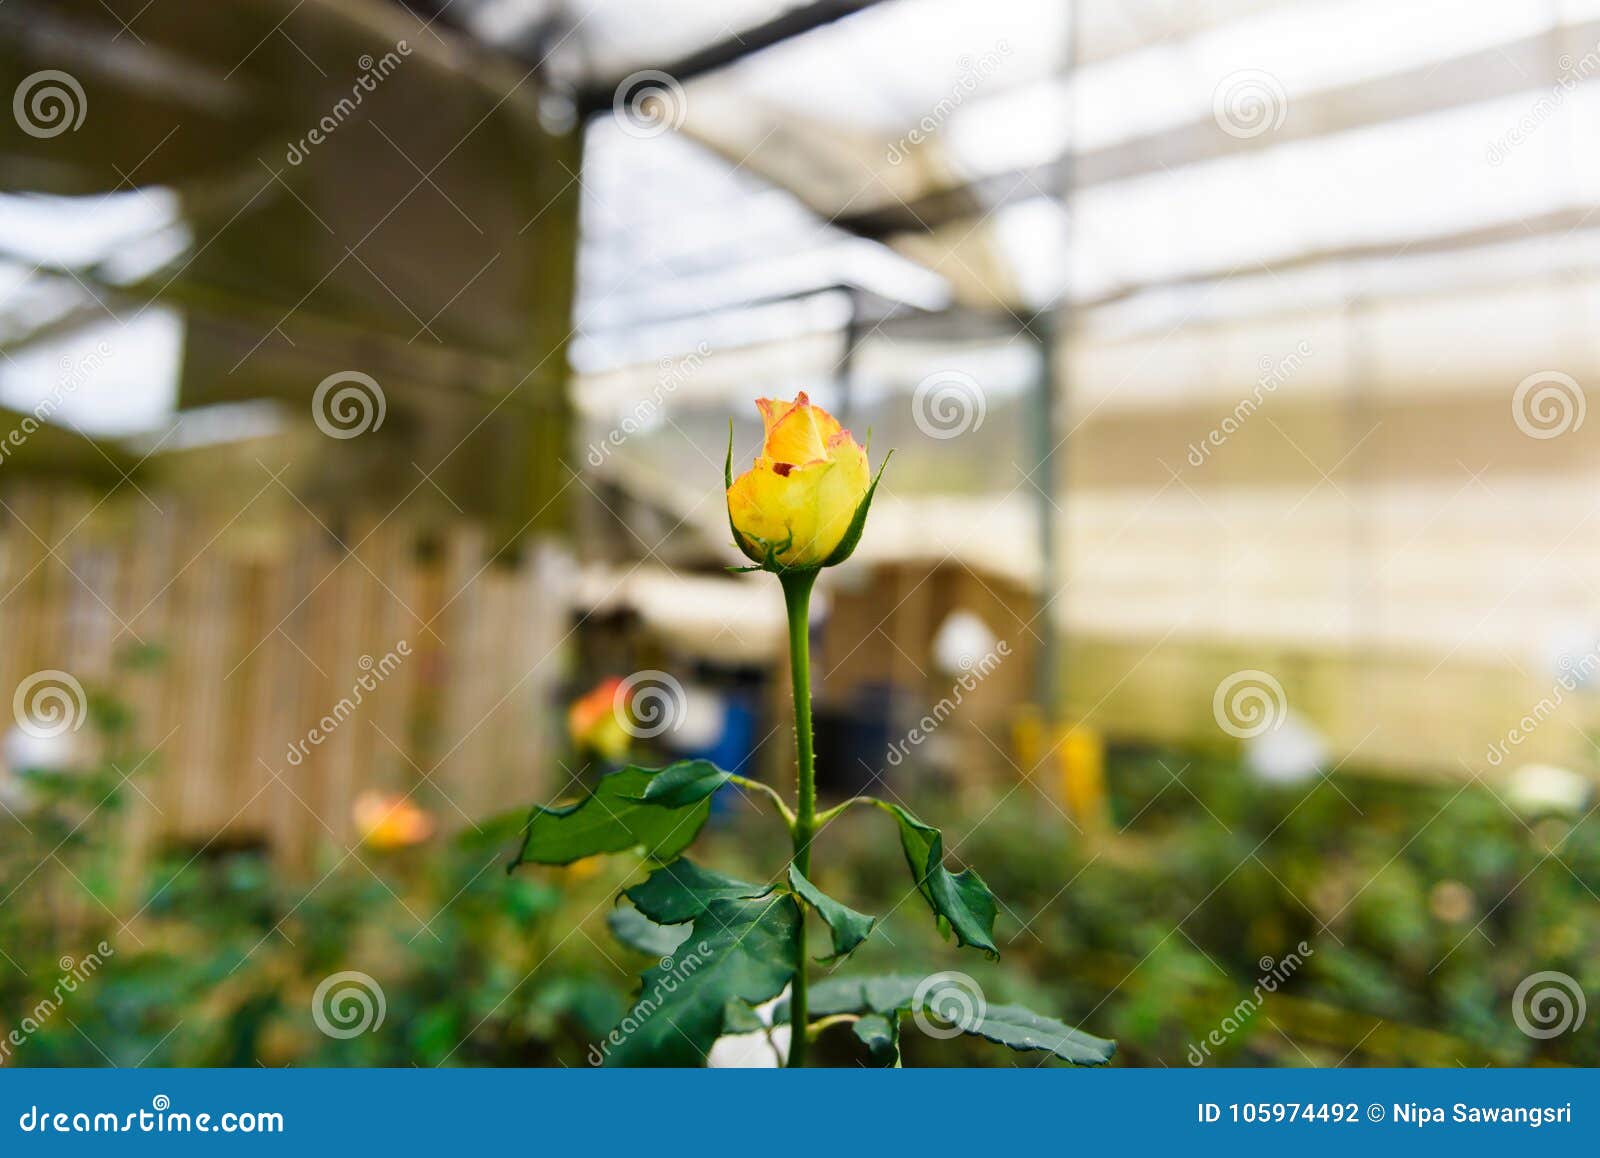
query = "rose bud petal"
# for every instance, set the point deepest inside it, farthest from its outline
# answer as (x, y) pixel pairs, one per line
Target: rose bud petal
(794, 507)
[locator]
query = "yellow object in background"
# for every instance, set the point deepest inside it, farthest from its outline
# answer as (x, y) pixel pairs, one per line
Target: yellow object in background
(1027, 738)
(1082, 752)
(582, 870)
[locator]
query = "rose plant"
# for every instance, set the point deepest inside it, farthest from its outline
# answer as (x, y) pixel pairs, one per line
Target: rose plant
(728, 945)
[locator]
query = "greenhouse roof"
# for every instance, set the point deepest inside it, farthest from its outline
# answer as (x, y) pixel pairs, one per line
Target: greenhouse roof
(789, 170)
(1157, 156)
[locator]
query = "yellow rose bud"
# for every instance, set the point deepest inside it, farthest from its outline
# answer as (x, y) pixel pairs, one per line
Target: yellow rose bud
(795, 506)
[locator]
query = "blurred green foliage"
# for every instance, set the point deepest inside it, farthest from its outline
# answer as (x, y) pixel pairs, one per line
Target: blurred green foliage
(221, 963)
(215, 954)
(1423, 907)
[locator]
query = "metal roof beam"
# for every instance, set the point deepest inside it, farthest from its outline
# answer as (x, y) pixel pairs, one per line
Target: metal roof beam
(596, 98)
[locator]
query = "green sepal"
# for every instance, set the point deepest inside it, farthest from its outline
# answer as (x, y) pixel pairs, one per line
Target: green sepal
(880, 1033)
(961, 901)
(682, 891)
(770, 552)
(639, 933)
(736, 949)
(858, 521)
(848, 927)
(684, 783)
(612, 818)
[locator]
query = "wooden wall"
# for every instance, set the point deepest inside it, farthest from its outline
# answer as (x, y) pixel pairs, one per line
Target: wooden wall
(265, 625)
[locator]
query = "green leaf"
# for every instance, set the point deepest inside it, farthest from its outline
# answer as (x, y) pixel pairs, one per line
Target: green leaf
(1009, 1025)
(849, 928)
(684, 783)
(611, 819)
(881, 1035)
(858, 521)
(736, 949)
(962, 898)
(639, 933)
(493, 833)
(682, 890)
(1023, 1029)
(739, 1017)
(833, 995)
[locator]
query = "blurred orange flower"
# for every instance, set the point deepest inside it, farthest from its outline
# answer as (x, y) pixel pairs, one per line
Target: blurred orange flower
(387, 821)
(598, 724)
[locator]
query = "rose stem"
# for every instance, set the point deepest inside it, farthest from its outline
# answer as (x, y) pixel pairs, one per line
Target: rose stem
(797, 601)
